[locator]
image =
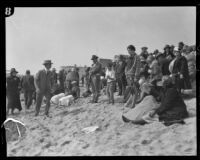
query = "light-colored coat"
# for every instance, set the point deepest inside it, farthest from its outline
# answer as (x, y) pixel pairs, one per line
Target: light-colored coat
(66, 101)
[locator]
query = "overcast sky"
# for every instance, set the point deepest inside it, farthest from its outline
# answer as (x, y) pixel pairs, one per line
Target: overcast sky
(69, 36)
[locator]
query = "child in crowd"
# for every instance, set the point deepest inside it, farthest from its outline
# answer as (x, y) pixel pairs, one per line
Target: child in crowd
(110, 76)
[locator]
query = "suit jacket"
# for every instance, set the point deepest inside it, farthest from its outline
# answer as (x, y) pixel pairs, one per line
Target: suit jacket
(27, 83)
(120, 69)
(44, 82)
(55, 76)
(181, 65)
(96, 69)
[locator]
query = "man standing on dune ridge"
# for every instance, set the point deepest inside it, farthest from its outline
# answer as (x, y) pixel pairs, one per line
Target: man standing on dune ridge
(43, 84)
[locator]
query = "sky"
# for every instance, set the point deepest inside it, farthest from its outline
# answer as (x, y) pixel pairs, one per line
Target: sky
(69, 36)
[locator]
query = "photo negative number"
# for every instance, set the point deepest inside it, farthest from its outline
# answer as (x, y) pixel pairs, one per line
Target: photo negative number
(9, 11)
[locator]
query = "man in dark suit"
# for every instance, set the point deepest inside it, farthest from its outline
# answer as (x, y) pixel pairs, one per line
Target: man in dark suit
(28, 87)
(95, 73)
(55, 75)
(43, 84)
(120, 75)
(61, 79)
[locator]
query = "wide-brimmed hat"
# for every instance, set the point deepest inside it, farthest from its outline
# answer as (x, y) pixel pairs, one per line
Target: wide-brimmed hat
(146, 87)
(94, 57)
(181, 43)
(13, 70)
(176, 49)
(144, 47)
(47, 62)
(166, 46)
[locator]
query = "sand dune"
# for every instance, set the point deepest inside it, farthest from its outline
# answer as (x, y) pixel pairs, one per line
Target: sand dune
(62, 134)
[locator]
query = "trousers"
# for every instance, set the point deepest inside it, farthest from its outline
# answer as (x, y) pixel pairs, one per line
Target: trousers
(28, 96)
(39, 98)
(95, 87)
(121, 85)
(110, 91)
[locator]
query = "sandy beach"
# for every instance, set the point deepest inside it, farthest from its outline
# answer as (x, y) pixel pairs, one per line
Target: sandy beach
(62, 134)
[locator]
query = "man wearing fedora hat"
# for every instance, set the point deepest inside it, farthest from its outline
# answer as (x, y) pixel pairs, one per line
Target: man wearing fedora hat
(43, 84)
(95, 73)
(13, 91)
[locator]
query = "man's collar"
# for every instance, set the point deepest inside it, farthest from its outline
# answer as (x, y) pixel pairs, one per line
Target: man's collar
(46, 70)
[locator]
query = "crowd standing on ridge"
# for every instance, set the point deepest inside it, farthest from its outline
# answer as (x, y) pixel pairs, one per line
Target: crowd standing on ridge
(151, 84)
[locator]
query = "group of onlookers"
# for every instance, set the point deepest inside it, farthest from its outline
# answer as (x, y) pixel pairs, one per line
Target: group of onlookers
(134, 77)
(46, 83)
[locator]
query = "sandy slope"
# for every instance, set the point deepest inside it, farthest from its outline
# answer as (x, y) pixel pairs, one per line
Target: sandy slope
(61, 135)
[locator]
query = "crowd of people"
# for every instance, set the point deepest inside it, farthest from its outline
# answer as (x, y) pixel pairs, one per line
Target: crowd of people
(151, 84)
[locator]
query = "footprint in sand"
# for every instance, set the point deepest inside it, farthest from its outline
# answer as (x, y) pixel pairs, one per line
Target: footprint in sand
(13, 150)
(66, 142)
(85, 146)
(47, 145)
(188, 150)
(41, 140)
(145, 142)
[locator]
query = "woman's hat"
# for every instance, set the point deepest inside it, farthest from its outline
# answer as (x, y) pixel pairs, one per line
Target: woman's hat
(13, 70)
(94, 57)
(146, 87)
(176, 49)
(73, 82)
(47, 62)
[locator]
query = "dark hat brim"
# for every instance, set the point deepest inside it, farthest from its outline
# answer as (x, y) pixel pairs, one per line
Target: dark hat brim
(47, 63)
(94, 58)
(14, 72)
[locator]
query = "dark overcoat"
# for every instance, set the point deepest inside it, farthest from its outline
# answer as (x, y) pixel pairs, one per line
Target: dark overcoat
(172, 106)
(13, 92)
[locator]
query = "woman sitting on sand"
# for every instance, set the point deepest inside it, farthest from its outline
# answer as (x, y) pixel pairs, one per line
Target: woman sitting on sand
(172, 108)
(146, 104)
